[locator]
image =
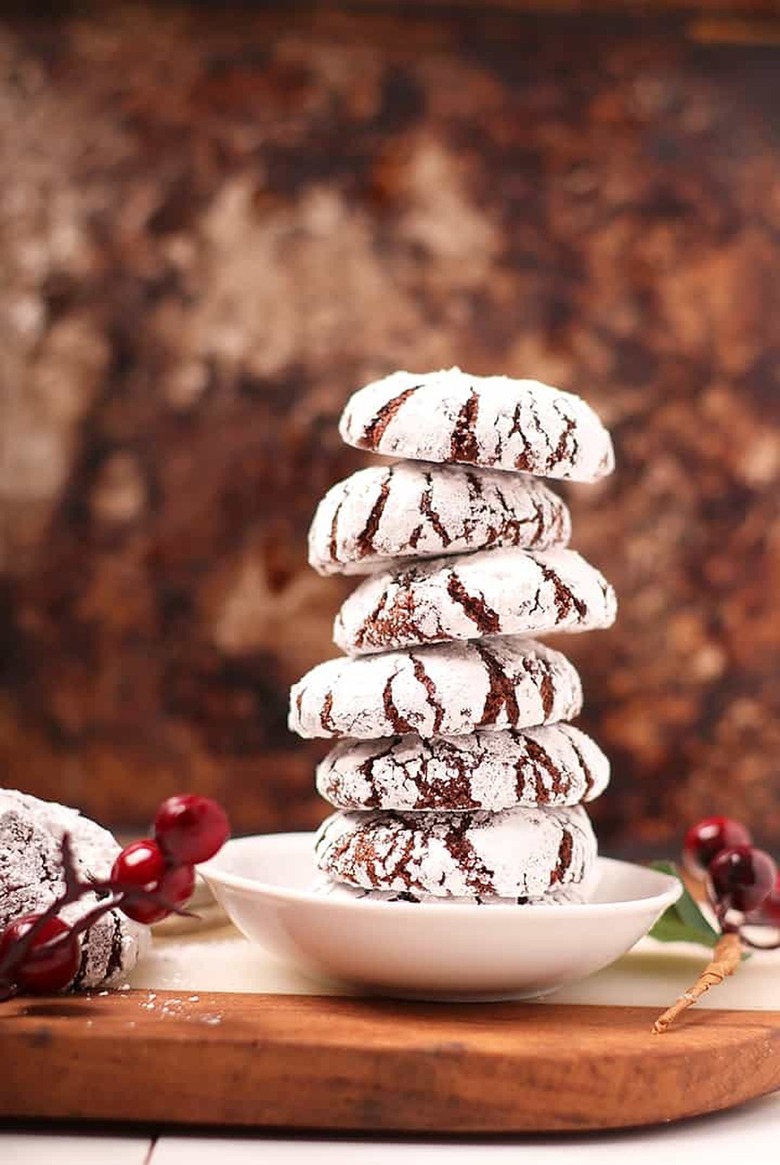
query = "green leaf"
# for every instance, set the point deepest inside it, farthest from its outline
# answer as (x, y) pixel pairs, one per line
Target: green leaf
(683, 922)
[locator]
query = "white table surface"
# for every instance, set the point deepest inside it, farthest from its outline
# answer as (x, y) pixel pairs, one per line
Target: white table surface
(221, 960)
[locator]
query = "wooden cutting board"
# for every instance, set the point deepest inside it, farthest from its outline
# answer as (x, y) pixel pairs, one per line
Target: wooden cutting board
(374, 1065)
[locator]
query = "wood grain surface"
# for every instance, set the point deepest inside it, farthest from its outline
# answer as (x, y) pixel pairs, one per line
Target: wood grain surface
(379, 1065)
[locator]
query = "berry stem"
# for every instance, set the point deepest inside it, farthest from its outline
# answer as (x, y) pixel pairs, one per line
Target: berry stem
(725, 960)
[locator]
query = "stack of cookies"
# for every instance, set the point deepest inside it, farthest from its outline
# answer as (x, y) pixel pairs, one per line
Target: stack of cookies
(455, 775)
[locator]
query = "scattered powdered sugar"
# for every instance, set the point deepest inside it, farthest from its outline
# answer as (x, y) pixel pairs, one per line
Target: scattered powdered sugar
(31, 878)
(445, 689)
(517, 853)
(494, 421)
(174, 1008)
(554, 765)
(493, 592)
(420, 510)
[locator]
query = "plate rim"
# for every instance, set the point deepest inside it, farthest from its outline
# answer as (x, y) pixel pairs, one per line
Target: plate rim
(670, 889)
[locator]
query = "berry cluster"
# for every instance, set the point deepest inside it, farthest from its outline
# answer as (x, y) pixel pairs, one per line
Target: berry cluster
(149, 880)
(742, 881)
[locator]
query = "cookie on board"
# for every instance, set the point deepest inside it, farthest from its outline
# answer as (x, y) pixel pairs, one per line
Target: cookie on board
(31, 878)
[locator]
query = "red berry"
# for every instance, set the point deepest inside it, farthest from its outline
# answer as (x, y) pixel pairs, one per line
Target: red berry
(191, 829)
(707, 838)
(768, 913)
(742, 877)
(175, 886)
(141, 910)
(51, 961)
(139, 864)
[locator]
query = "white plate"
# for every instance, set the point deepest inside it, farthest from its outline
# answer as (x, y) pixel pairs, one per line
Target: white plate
(431, 951)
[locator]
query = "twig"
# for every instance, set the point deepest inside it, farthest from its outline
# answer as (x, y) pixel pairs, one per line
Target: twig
(725, 960)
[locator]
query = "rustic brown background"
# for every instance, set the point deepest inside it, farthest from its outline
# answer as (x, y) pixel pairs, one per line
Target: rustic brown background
(215, 224)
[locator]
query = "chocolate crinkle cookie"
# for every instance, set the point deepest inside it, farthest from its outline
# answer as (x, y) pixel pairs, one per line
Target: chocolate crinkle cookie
(554, 765)
(494, 592)
(444, 689)
(419, 510)
(493, 421)
(31, 878)
(518, 853)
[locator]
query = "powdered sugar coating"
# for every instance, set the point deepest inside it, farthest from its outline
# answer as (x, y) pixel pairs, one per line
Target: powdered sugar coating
(494, 592)
(517, 853)
(555, 765)
(31, 878)
(563, 896)
(415, 509)
(494, 421)
(442, 690)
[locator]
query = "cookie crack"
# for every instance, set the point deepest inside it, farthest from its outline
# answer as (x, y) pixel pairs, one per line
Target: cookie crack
(474, 483)
(326, 719)
(566, 449)
(542, 759)
(510, 528)
(501, 690)
(587, 772)
(474, 606)
(479, 878)
(115, 956)
(536, 605)
(375, 431)
(365, 539)
(524, 460)
(398, 722)
(563, 596)
(427, 511)
(452, 792)
(464, 445)
(373, 619)
(541, 679)
(400, 869)
(539, 519)
(366, 769)
(422, 677)
(83, 965)
(565, 853)
(333, 545)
